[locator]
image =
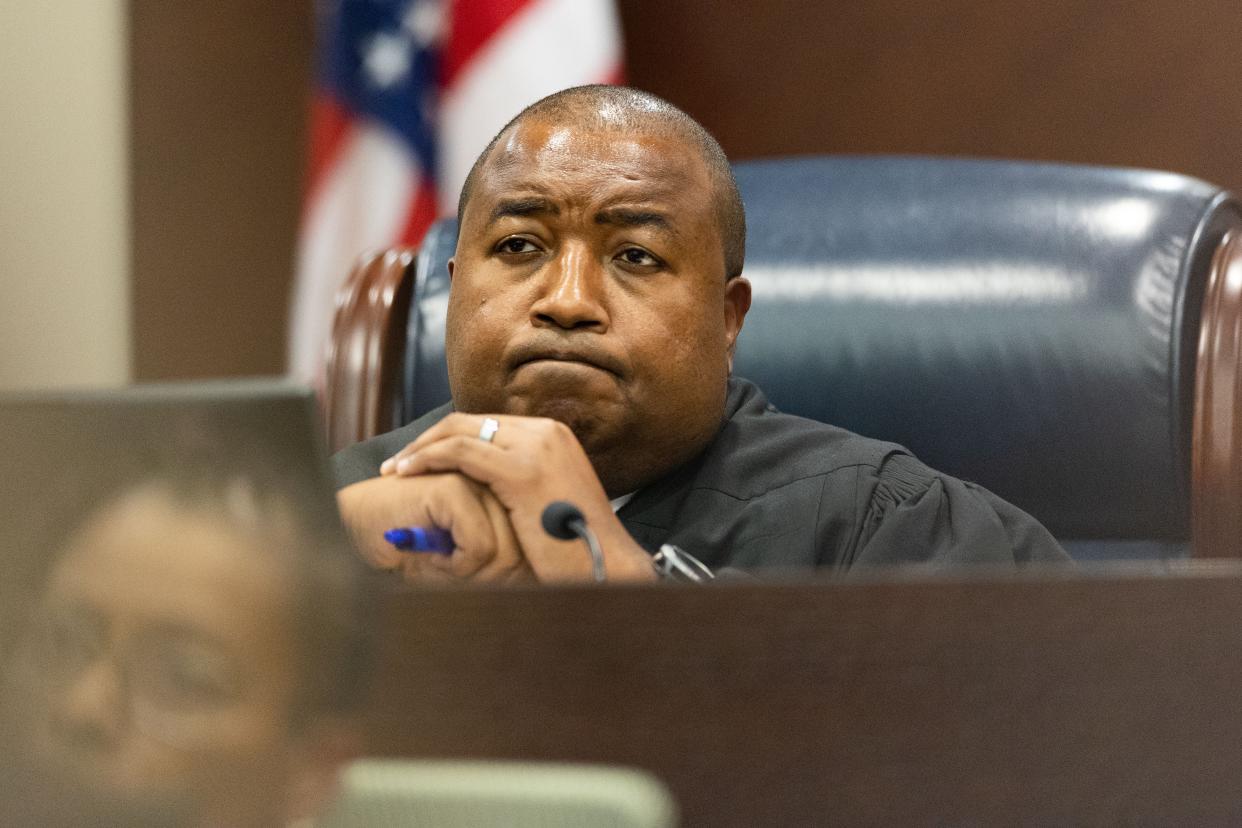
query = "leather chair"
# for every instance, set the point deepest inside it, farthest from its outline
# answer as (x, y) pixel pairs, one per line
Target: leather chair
(1068, 336)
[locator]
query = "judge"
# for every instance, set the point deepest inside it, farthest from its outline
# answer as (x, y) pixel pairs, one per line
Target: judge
(596, 298)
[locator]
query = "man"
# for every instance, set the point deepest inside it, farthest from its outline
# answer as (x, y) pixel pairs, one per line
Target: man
(194, 660)
(596, 299)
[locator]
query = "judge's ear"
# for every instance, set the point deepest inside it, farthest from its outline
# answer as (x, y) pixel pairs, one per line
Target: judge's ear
(736, 304)
(316, 761)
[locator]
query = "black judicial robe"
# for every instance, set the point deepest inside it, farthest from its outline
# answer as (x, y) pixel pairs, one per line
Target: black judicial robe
(775, 491)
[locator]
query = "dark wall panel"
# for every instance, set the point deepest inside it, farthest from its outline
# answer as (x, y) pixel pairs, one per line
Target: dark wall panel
(1145, 83)
(220, 92)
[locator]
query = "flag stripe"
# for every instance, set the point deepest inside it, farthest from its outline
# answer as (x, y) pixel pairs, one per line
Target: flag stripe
(422, 214)
(471, 26)
(329, 127)
(363, 203)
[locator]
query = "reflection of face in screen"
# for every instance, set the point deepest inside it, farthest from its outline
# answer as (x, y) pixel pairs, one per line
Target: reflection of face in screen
(169, 657)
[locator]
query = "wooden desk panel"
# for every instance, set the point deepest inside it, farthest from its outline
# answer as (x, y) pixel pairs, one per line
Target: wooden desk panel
(1085, 700)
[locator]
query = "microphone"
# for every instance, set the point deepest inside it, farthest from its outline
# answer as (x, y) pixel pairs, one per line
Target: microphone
(565, 521)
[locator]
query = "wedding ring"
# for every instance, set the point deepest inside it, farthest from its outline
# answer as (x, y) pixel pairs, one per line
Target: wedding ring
(489, 429)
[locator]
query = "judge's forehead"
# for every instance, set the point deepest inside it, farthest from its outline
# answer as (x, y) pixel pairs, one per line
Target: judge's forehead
(584, 159)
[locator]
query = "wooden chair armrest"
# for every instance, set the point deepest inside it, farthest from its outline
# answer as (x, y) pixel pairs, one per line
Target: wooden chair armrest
(1216, 465)
(367, 347)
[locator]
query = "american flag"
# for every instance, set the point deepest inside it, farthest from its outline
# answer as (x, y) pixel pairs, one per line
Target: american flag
(408, 93)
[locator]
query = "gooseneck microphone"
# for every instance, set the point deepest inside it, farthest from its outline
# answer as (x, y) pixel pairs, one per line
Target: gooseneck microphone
(565, 521)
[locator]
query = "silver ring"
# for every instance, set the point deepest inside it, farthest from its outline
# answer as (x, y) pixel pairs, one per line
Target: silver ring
(489, 429)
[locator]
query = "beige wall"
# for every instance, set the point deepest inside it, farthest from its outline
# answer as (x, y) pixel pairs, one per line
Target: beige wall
(64, 225)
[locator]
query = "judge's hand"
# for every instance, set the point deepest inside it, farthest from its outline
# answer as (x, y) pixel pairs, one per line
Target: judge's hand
(530, 462)
(486, 548)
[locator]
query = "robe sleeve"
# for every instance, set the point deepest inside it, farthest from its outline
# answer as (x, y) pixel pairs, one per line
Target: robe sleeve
(917, 515)
(361, 461)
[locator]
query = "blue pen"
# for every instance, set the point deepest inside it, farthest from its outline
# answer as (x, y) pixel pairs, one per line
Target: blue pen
(421, 539)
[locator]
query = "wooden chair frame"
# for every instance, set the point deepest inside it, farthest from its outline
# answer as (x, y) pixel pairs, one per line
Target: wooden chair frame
(367, 347)
(1216, 457)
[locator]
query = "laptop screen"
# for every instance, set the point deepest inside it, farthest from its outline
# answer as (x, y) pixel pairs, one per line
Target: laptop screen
(66, 453)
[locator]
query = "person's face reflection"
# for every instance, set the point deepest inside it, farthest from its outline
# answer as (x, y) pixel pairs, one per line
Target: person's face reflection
(165, 661)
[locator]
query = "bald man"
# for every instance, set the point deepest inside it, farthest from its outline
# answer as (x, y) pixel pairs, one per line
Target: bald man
(595, 303)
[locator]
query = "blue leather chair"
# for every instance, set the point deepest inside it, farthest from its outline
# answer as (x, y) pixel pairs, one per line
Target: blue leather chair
(1068, 336)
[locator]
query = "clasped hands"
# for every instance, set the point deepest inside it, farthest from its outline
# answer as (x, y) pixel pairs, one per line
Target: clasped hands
(490, 495)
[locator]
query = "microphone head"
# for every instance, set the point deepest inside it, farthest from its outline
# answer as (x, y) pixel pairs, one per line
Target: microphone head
(558, 519)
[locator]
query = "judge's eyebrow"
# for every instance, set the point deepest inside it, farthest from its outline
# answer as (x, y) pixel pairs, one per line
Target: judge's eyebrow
(627, 217)
(519, 207)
